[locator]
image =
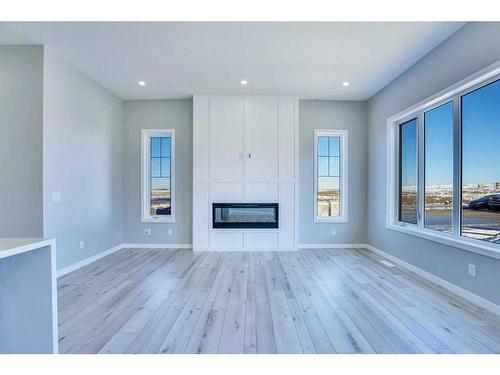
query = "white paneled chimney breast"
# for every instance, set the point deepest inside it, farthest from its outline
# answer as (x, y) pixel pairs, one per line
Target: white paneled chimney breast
(245, 159)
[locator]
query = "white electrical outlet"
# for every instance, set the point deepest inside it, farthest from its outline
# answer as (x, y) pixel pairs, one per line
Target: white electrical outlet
(334, 232)
(147, 231)
(82, 245)
(56, 197)
(170, 231)
(472, 270)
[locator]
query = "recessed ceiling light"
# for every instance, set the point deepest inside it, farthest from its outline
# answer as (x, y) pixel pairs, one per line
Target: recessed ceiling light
(244, 82)
(345, 83)
(142, 83)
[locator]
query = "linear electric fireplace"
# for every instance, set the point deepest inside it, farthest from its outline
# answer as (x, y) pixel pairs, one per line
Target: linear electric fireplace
(245, 215)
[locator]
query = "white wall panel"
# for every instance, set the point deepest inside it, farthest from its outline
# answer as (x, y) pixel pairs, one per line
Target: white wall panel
(227, 192)
(287, 215)
(226, 125)
(261, 138)
(227, 240)
(201, 215)
(201, 138)
(261, 240)
(259, 192)
(286, 139)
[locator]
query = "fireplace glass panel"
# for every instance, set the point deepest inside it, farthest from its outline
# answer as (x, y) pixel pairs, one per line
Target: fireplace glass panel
(245, 215)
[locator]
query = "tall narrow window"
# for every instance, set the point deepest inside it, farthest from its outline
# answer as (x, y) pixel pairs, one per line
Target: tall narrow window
(481, 163)
(408, 172)
(438, 132)
(330, 166)
(158, 175)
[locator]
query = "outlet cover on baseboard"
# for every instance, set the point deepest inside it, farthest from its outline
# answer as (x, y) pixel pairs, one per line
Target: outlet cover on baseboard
(147, 231)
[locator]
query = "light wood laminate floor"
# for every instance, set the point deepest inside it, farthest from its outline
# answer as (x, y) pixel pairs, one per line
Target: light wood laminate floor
(311, 301)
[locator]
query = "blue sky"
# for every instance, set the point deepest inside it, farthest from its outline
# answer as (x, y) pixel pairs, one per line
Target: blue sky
(328, 162)
(439, 145)
(160, 146)
(480, 136)
(160, 162)
(409, 153)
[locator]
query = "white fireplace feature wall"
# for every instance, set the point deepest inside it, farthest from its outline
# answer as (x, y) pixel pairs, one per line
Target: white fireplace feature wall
(245, 150)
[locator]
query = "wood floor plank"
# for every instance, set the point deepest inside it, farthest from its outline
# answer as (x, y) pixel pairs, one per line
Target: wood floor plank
(112, 310)
(361, 328)
(415, 341)
(206, 320)
(153, 334)
(250, 313)
(232, 339)
(128, 301)
(287, 340)
(181, 331)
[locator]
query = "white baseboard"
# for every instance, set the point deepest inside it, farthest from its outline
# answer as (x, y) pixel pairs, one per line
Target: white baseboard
(157, 246)
(480, 301)
(331, 246)
(248, 249)
(87, 261)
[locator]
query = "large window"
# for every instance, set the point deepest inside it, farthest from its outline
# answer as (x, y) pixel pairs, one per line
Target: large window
(444, 166)
(330, 175)
(158, 175)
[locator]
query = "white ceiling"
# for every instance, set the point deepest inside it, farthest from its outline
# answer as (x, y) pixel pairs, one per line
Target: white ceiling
(179, 59)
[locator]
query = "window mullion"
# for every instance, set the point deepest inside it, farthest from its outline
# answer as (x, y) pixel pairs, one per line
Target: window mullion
(457, 164)
(420, 171)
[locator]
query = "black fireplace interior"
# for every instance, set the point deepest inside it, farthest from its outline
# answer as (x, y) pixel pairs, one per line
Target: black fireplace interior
(245, 215)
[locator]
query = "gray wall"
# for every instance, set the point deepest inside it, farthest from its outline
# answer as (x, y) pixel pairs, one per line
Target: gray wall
(82, 161)
(317, 114)
(158, 114)
(21, 111)
(469, 50)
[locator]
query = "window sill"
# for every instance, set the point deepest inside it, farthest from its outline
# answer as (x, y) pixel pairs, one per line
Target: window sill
(489, 250)
(162, 220)
(331, 220)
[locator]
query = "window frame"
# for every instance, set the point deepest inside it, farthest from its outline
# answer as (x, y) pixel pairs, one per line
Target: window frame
(146, 135)
(454, 160)
(453, 94)
(343, 134)
(400, 179)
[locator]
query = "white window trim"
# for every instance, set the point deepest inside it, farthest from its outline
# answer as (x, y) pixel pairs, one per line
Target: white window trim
(451, 93)
(146, 217)
(343, 184)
